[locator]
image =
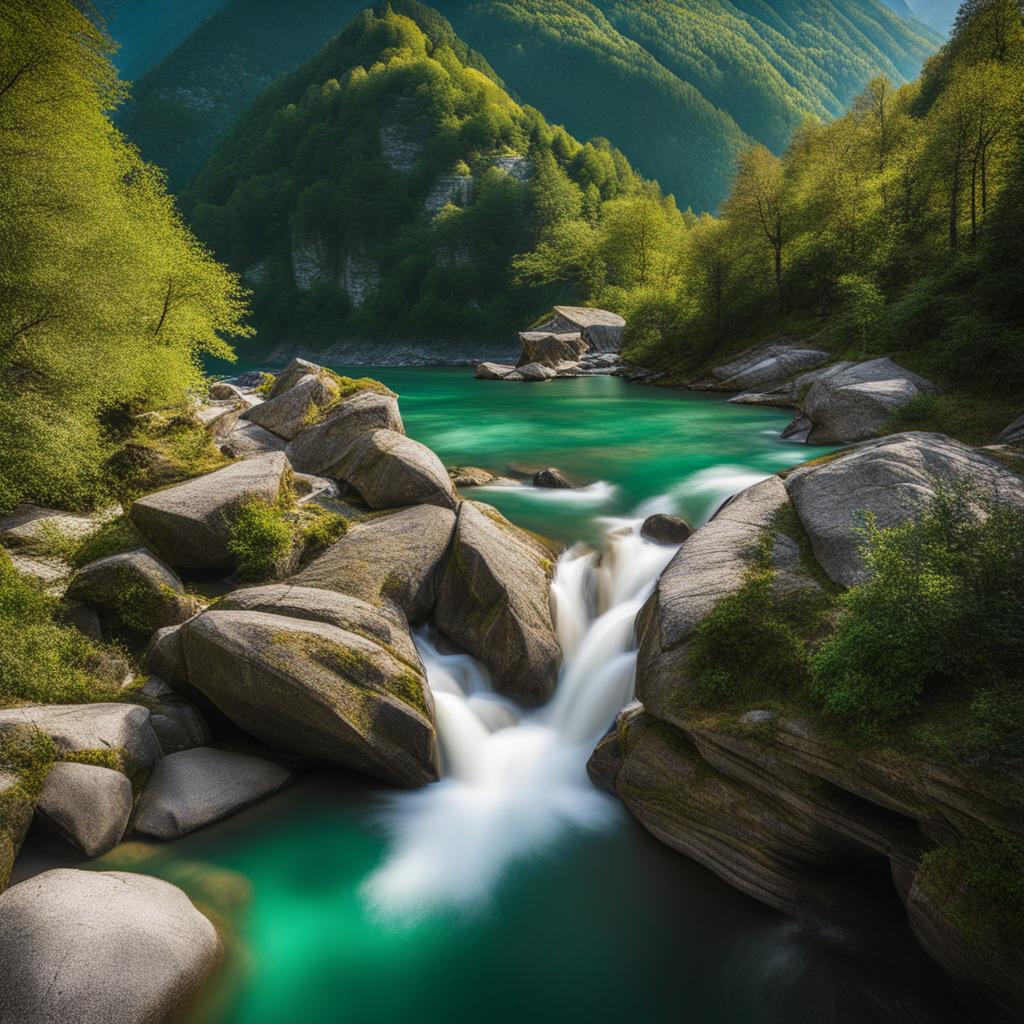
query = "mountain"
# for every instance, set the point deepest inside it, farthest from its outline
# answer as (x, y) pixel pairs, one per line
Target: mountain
(939, 14)
(680, 86)
(148, 30)
(382, 190)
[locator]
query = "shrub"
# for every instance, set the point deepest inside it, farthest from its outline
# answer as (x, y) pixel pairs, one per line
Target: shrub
(260, 539)
(937, 617)
(41, 660)
(320, 528)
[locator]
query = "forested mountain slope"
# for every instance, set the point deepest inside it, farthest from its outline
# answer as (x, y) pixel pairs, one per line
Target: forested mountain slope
(679, 85)
(380, 192)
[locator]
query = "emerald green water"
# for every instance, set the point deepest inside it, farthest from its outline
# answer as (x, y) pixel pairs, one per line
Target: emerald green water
(604, 925)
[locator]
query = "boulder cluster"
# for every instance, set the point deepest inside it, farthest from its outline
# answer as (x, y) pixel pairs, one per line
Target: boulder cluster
(318, 665)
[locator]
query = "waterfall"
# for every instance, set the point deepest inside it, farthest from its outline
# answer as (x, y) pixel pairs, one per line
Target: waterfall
(514, 780)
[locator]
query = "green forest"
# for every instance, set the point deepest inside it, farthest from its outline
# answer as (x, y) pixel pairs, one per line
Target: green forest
(893, 229)
(679, 85)
(107, 301)
(341, 237)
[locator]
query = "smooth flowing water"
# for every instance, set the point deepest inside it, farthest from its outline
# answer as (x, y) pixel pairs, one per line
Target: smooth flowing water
(513, 890)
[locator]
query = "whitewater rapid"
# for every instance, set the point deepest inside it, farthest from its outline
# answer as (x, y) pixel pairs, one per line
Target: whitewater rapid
(514, 780)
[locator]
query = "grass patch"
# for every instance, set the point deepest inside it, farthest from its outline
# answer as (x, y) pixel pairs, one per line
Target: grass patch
(969, 417)
(260, 539)
(346, 388)
(266, 384)
(42, 660)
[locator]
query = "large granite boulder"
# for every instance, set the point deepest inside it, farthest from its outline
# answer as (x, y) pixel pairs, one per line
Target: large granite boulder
(77, 727)
(317, 689)
(319, 448)
(247, 440)
(601, 330)
(197, 787)
(390, 470)
(189, 523)
(133, 591)
(80, 947)
(855, 403)
(494, 601)
(761, 368)
(297, 407)
(550, 349)
(86, 804)
(787, 394)
(711, 565)
(388, 558)
(891, 478)
(383, 625)
(295, 371)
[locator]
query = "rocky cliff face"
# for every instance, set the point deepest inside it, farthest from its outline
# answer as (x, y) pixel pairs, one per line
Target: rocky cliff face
(774, 799)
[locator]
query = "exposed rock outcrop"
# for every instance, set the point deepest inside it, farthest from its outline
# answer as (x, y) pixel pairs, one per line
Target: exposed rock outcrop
(388, 558)
(316, 688)
(494, 602)
(319, 447)
(891, 478)
(189, 523)
(197, 787)
(133, 591)
(493, 371)
(761, 368)
(86, 804)
(603, 331)
(295, 371)
(105, 946)
(854, 403)
(550, 349)
(390, 470)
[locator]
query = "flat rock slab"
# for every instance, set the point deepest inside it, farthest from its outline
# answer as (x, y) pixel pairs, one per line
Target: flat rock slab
(390, 470)
(493, 371)
(26, 525)
(189, 523)
(84, 947)
(389, 558)
(86, 804)
(761, 368)
(77, 727)
(892, 478)
(320, 447)
(197, 787)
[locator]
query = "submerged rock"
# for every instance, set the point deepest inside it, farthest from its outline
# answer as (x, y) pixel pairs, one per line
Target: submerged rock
(133, 590)
(318, 689)
(189, 523)
(554, 478)
(86, 804)
(390, 470)
(665, 529)
(891, 478)
(197, 787)
(494, 602)
(388, 558)
(90, 946)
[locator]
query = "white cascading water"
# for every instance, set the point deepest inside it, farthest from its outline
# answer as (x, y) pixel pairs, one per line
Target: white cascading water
(514, 780)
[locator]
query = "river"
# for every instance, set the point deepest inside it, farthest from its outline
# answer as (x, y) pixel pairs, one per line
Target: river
(513, 890)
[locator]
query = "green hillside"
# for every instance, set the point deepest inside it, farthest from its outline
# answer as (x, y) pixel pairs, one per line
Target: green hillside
(383, 189)
(679, 85)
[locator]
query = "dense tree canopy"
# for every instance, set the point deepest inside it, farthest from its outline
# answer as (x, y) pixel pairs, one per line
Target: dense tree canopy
(106, 300)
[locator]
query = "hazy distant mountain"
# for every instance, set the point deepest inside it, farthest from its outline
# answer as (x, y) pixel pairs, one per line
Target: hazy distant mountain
(939, 14)
(678, 85)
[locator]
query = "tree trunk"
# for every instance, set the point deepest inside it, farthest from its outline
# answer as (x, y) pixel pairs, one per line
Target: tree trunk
(954, 209)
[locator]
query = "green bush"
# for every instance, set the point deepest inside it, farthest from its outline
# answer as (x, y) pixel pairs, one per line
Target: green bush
(260, 539)
(937, 618)
(41, 660)
(320, 528)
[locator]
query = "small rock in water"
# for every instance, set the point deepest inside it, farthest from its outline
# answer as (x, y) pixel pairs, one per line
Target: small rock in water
(470, 476)
(552, 477)
(665, 529)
